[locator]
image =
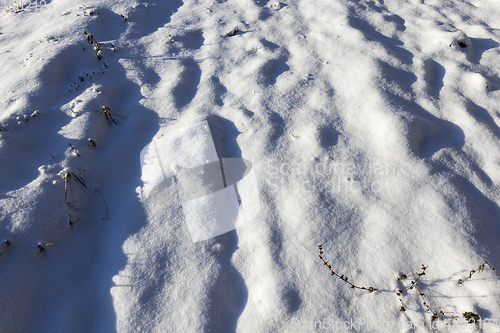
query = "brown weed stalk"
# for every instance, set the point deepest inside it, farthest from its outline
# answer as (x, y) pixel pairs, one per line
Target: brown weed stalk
(414, 285)
(479, 269)
(342, 277)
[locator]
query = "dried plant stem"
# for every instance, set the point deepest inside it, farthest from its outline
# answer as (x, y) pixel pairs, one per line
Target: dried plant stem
(479, 269)
(79, 179)
(108, 115)
(428, 308)
(105, 204)
(73, 148)
(402, 305)
(342, 277)
(65, 176)
(41, 246)
(92, 41)
(413, 283)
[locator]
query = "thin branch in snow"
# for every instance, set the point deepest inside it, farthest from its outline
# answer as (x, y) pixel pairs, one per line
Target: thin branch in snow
(342, 277)
(479, 269)
(125, 17)
(402, 305)
(41, 246)
(65, 174)
(72, 148)
(80, 179)
(105, 204)
(414, 285)
(87, 35)
(435, 315)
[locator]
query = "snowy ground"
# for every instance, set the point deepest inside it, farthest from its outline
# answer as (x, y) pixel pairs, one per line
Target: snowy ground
(373, 128)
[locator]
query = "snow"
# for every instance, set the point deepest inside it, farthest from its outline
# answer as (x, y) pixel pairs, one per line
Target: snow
(371, 127)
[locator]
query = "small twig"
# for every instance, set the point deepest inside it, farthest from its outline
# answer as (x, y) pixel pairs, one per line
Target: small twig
(404, 276)
(65, 176)
(76, 152)
(342, 277)
(435, 315)
(88, 37)
(413, 283)
(105, 204)
(92, 41)
(98, 50)
(41, 246)
(402, 305)
(452, 319)
(79, 179)
(425, 303)
(479, 269)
